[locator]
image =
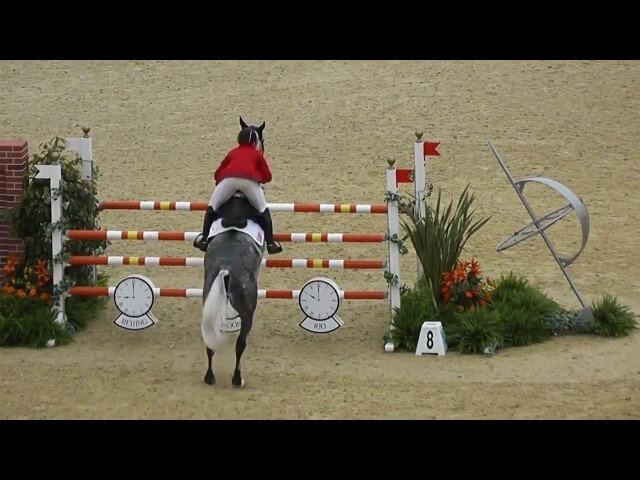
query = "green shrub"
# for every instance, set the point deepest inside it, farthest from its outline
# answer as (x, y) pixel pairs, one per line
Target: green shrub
(28, 322)
(416, 307)
(472, 332)
(610, 318)
(518, 294)
(521, 326)
(507, 285)
(522, 309)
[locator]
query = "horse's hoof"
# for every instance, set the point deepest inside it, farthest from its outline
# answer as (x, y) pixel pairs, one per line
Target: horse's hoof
(210, 379)
(236, 383)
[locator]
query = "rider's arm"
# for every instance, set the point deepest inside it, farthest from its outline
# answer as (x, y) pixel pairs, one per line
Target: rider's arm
(264, 169)
(224, 163)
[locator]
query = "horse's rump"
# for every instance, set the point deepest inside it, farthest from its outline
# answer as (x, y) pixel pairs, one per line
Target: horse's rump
(237, 253)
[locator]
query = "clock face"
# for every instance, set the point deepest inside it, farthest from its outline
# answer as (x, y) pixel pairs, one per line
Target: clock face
(133, 297)
(319, 300)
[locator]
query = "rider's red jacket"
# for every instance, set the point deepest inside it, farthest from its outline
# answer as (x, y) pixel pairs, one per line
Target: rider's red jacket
(244, 161)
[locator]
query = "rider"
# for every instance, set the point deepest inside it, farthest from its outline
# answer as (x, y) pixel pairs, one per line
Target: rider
(243, 169)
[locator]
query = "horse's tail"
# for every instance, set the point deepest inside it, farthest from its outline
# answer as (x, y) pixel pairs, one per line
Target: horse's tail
(214, 312)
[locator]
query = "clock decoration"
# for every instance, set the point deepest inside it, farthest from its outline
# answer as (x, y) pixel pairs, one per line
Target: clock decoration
(319, 301)
(134, 297)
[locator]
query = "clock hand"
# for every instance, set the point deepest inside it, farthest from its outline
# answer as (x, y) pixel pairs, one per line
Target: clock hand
(134, 290)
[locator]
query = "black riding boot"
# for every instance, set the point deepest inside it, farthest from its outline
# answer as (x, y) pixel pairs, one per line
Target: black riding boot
(201, 240)
(272, 245)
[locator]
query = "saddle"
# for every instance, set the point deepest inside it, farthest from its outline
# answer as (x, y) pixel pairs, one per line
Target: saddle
(236, 211)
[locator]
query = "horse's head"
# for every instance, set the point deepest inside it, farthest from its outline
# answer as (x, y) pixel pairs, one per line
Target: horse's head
(251, 135)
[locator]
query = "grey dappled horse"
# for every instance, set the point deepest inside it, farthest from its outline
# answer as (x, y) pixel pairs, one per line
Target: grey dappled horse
(231, 270)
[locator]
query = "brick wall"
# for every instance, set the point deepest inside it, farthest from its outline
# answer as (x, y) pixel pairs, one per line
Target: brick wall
(14, 155)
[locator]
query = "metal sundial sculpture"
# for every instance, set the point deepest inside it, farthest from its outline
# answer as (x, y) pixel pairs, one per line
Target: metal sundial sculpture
(540, 225)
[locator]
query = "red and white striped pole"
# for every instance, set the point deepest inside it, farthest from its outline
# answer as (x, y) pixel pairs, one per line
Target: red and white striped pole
(273, 207)
(79, 260)
(307, 237)
(197, 293)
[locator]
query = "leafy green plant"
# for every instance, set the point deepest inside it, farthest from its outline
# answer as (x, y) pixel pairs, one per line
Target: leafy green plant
(610, 318)
(473, 331)
(522, 309)
(416, 308)
(518, 294)
(507, 285)
(28, 322)
(520, 326)
(439, 238)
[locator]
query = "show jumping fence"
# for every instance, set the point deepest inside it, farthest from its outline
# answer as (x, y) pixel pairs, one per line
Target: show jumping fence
(83, 146)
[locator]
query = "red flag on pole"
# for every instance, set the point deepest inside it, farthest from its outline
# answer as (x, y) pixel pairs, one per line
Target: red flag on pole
(431, 149)
(404, 175)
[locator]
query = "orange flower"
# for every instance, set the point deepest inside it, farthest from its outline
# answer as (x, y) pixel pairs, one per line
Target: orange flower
(475, 267)
(11, 262)
(44, 279)
(21, 293)
(472, 308)
(448, 277)
(460, 274)
(460, 308)
(483, 302)
(10, 290)
(32, 292)
(45, 296)
(468, 294)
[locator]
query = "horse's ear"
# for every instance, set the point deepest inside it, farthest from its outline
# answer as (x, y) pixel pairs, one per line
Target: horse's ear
(261, 127)
(242, 123)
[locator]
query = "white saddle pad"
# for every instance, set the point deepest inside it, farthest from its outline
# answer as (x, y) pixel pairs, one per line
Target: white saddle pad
(252, 229)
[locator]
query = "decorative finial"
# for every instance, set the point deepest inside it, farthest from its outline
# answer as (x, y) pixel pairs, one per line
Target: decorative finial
(419, 135)
(391, 161)
(86, 131)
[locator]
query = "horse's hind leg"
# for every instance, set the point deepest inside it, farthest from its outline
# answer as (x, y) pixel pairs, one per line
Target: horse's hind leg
(241, 343)
(209, 377)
